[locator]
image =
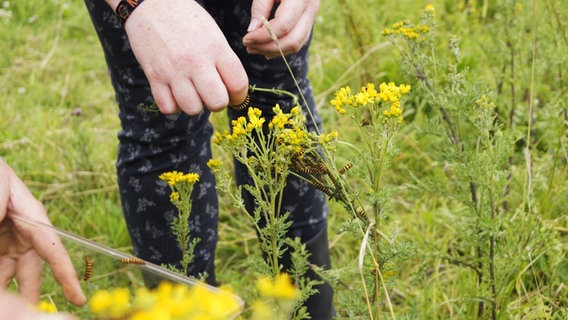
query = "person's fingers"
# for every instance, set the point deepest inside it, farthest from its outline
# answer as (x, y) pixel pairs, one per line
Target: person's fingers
(28, 274)
(291, 26)
(163, 97)
(292, 42)
(7, 271)
(211, 88)
(260, 9)
(45, 242)
(186, 96)
(285, 20)
(14, 307)
(48, 245)
(238, 88)
(235, 79)
(227, 85)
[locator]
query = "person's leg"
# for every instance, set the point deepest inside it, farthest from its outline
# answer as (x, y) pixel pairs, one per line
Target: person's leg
(307, 205)
(151, 143)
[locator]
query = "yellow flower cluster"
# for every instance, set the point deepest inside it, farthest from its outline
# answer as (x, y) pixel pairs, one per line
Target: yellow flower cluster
(289, 128)
(281, 119)
(262, 310)
(368, 96)
(112, 303)
(175, 177)
(280, 287)
(326, 138)
(342, 97)
(218, 137)
(215, 165)
(391, 92)
(241, 126)
(167, 301)
(174, 196)
(395, 111)
(294, 138)
(46, 306)
(411, 32)
(255, 121)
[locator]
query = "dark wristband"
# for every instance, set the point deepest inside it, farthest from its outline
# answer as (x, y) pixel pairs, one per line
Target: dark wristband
(125, 9)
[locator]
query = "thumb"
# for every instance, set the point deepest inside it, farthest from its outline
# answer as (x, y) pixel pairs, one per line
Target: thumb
(260, 9)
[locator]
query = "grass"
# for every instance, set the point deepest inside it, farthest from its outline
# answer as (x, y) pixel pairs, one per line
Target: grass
(59, 123)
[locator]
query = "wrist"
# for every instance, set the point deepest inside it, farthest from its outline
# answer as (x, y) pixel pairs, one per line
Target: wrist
(124, 9)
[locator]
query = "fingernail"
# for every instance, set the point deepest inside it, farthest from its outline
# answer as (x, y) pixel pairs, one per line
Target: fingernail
(253, 24)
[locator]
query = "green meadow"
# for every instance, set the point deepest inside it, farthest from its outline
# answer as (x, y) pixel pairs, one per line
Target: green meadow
(473, 201)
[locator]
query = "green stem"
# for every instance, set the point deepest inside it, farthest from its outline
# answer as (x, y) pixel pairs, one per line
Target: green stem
(276, 92)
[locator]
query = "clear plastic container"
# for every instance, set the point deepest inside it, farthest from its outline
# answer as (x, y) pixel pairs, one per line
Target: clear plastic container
(103, 268)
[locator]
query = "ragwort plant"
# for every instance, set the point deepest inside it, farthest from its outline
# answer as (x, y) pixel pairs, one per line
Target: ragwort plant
(500, 239)
(477, 153)
(312, 156)
(182, 185)
(378, 115)
(269, 146)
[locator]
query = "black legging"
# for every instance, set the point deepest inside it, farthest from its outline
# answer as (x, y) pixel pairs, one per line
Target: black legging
(152, 143)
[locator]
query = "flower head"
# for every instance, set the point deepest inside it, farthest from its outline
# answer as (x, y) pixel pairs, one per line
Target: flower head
(255, 121)
(114, 303)
(280, 119)
(167, 301)
(280, 287)
(408, 31)
(174, 196)
(46, 306)
(175, 177)
(342, 98)
(326, 138)
(215, 165)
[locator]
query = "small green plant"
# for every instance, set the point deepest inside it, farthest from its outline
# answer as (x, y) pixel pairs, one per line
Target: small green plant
(377, 115)
(182, 185)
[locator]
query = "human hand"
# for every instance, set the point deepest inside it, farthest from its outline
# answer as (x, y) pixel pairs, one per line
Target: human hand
(292, 25)
(185, 56)
(23, 248)
(15, 308)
